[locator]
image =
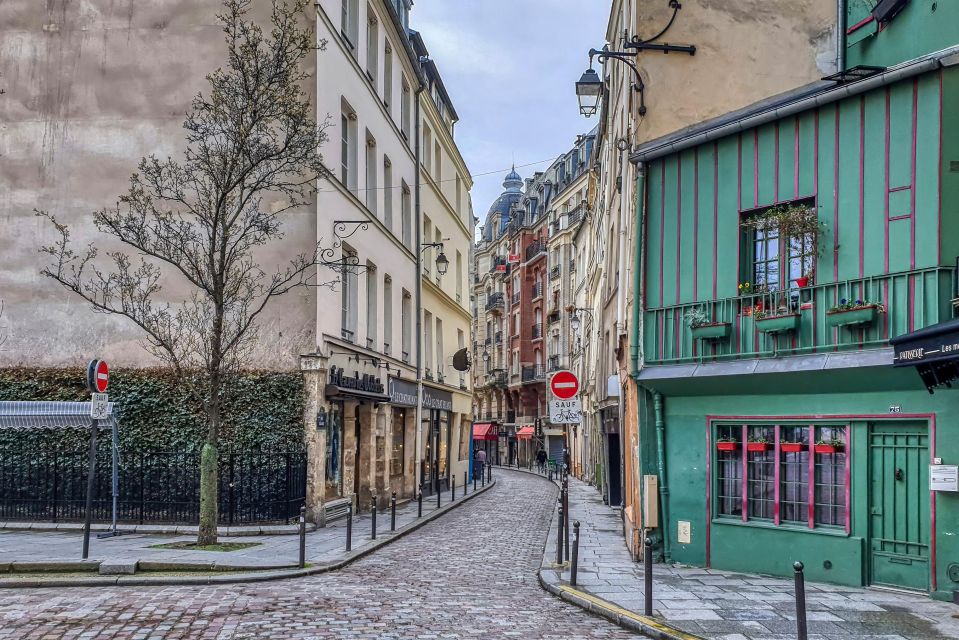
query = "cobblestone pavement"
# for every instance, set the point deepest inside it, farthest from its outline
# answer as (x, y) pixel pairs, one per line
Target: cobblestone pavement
(470, 574)
(734, 606)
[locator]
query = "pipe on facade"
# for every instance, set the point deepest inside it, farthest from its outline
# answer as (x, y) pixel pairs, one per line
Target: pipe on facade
(661, 463)
(777, 113)
(418, 287)
(638, 271)
(840, 35)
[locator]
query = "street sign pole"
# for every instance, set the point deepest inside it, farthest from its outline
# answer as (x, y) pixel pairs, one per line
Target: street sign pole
(91, 488)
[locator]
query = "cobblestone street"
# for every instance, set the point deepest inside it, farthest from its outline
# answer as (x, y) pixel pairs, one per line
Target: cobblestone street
(471, 574)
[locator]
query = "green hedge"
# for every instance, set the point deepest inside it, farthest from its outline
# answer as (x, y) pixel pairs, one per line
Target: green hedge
(266, 410)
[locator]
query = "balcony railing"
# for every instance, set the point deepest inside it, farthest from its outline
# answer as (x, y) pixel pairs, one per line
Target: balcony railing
(537, 331)
(552, 317)
(496, 262)
(495, 301)
(499, 337)
(515, 299)
(537, 290)
(553, 363)
(347, 335)
(575, 215)
(497, 378)
(535, 249)
(554, 273)
(911, 300)
(533, 373)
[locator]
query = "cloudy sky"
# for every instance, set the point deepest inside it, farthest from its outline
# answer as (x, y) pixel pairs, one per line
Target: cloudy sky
(509, 66)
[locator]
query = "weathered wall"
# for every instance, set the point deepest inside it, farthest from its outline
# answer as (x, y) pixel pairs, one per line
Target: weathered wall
(90, 88)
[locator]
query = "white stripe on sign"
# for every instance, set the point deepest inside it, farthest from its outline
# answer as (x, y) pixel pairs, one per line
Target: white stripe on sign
(564, 385)
(102, 376)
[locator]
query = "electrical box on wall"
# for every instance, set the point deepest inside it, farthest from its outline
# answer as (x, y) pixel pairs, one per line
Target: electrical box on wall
(650, 502)
(684, 532)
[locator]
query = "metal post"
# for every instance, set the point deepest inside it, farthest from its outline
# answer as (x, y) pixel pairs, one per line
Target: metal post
(490, 473)
(419, 499)
(439, 494)
(349, 525)
(483, 476)
(559, 533)
(575, 561)
(566, 517)
(373, 513)
(800, 601)
(393, 512)
(91, 489)
(474, 481)
(302, 537)
(466, 482)
(452, 488)
(648, 575)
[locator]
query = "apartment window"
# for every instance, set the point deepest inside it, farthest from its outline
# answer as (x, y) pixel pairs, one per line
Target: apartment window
(406, 215)
(778, 463)
(405, 110)
(372, 45)
(348, 294)
(371, 165)
(398, 441)
(406, 317)
(459, 277)
(440, 355)
(427, 148)
(349, 24)
(438, 159)
(459, 194)
(774, 260)
(428, 340)
(388, 76)
(371, 297)
(387, 314)
(348, 147)
(388, 193)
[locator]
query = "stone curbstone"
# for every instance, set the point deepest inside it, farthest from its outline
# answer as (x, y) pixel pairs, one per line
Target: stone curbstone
(260, 576)
(60, 566)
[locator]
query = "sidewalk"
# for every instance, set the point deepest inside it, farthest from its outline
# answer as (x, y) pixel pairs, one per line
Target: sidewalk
(323, 546)
(732, 606)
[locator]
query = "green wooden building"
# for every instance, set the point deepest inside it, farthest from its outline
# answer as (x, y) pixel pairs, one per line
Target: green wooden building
(783, 248)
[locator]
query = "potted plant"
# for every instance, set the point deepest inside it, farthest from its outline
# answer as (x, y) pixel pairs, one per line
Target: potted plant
(791, 447)
(703, 328)
(833, 445)
(758, 444)
(853, 314)
(727, 443)
(803, 281)
(779, 321)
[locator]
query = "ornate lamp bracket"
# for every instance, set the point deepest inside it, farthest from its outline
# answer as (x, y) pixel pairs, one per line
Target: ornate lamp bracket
(348, 263)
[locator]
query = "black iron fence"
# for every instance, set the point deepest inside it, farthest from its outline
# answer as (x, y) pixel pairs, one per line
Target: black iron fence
(154, 487)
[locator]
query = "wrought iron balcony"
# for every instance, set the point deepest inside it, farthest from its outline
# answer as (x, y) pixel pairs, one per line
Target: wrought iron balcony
(497, 261)
(800, 321)
(553, 363)
(537, 331)
(499, 337)
(533, 373)
(538, 247)
(554, 273)
(515, 299)
(537, 290)
(552, 317)
(495, 302)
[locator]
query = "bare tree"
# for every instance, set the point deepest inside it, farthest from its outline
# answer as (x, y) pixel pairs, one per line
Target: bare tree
(251, 137)
(3, 334)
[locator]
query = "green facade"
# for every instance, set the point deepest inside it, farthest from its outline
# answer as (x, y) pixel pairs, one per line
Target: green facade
(877, 169)
(922, 27)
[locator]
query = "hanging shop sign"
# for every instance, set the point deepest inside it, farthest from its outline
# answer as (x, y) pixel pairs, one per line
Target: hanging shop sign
(402, 392)
(933, 350)
(367, 386)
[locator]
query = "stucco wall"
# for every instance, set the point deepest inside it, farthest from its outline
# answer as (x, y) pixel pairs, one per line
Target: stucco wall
(90, 88)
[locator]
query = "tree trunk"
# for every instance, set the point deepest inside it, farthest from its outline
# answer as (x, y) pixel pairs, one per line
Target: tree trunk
(208, 495)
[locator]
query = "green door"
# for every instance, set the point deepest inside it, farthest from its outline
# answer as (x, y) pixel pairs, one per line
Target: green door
(899, 505)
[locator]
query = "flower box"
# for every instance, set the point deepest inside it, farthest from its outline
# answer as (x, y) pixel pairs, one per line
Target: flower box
(727, 446)
(802, 282)
(791, 447)
(778, 324)
(860, 316)
(758, 447)
(712, 331)
(829, 448)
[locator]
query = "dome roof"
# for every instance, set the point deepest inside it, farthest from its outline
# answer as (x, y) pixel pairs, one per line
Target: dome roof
(513, 181)
(512, 193)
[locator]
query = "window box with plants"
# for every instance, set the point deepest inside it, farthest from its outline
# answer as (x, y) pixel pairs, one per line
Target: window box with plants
(854, 313)
(758, 445)
(792, 447)
(781, 320)
(830, 446)
(705, 329)
(727, 444)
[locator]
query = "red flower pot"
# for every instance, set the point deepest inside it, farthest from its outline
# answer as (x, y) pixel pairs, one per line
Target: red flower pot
(791, 447)
(828, 448)
(727, 446)
(802, 282)
(758, 447)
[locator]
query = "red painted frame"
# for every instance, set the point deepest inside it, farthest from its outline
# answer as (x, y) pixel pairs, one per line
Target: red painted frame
(930, 419)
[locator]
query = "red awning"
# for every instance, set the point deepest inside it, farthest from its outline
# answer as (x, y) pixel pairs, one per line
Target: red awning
(525, 433)
(484, 431)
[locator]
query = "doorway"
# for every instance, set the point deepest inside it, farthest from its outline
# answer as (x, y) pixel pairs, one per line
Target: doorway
(614, 480)
(899, 505)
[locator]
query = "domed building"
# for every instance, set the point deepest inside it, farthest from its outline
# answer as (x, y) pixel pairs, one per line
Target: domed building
(498, 215)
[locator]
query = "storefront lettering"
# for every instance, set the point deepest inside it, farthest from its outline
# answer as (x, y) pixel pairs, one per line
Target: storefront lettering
(367, 382)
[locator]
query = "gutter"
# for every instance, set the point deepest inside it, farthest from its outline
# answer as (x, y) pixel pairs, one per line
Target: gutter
(638, 271)
(418, 250)
(747, 122)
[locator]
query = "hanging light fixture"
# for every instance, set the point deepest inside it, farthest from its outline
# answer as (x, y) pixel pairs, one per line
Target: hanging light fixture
(588, 91)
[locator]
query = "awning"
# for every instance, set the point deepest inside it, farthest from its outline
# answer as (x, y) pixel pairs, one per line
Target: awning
(934, 351)
(525, 433)
(50, 415)
(484, 431)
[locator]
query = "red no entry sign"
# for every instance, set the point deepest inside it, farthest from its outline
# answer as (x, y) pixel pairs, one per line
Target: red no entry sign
(98, 376)
(564, 385)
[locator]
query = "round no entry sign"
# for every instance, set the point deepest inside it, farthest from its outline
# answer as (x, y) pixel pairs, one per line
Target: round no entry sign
(98, 376)
(564, 385)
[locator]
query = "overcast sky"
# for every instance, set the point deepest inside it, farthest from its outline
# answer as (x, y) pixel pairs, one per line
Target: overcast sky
(509, 66)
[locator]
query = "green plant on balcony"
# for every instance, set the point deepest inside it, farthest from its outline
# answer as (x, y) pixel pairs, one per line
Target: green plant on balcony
(854, 313)
(791, 221)
(780, 320)
(702, 326)
(758, 444)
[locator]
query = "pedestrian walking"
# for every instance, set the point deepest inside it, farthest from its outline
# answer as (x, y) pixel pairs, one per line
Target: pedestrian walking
(541, 460)
(480, 463)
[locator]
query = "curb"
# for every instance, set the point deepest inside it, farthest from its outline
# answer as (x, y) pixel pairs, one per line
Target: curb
(260, 576)
(616, 614)
(156, 529)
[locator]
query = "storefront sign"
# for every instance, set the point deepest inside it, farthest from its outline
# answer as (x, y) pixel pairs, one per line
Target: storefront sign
(436, 399)
(935, 343)
(368, 383)
(402, 392)
(943, 477)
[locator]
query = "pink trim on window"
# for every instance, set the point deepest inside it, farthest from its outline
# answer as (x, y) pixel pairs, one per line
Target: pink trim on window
(745, 500)
(776, 474)
(835, 201)
(848, 478)
(912, 173)
(709, 486)
(859, 25)
(862, 185)
(932, 505)
(811, 484)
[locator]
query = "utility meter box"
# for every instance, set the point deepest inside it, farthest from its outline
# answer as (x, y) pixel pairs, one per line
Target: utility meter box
(650, 502)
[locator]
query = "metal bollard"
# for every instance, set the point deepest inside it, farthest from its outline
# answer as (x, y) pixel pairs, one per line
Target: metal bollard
(490, 473)
(349, 525)
(439, 494)
(466, 482)
(648, 575)
(302, 537)
(419, 499)
(566, 517)
(800, 601)
(373, 513)
(574, 563)
(393, 512)
(483, 476)
(474, 479)
(559, 533)
(452, 488)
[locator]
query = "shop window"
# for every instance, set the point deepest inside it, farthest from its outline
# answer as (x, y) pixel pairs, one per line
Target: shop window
(777, 462)
(398, 432)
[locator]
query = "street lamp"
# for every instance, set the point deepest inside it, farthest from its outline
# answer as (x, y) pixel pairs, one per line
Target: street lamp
(574, 320)
(588, 91)
(442, 262)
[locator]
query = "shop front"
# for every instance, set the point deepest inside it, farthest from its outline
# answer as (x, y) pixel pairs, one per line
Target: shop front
(485, 438)
(401, 438)
(609, 420)
(438, 443)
